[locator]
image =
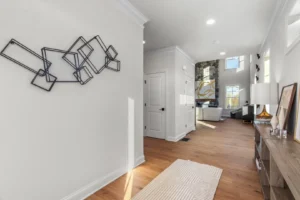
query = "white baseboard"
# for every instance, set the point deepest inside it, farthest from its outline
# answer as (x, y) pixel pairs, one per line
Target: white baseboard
(177, 138)
(93, 187)
(139, 161)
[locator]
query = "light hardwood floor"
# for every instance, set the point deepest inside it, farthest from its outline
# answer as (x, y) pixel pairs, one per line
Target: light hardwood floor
(228, 145)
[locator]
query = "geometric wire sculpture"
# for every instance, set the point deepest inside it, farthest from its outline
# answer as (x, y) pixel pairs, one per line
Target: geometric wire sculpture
(54, 78)
(96, 69)
(81, 67)
(81, 72)
(72, 49)
(15, 42)
(47, 68)
(114, 65)
(110, 52)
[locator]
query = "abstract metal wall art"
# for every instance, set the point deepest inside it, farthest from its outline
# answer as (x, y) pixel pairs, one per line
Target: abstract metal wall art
(14, 42)
(77, 57)
(110, 56)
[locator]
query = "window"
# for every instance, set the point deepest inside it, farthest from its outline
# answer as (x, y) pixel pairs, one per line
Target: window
(267, 67)
(232, 96)
(206, 75)
(232, 63)
(267, 72)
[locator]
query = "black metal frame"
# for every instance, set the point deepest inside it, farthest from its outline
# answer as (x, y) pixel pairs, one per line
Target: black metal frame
(47, 69)
(110, 52)
(77, 75)
(52, 83)
(111, 55)
(72, 49)
(108, 61)
(15, 42)
(86, 57)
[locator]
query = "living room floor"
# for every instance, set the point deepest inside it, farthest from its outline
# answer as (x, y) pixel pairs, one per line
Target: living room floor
(228, 145)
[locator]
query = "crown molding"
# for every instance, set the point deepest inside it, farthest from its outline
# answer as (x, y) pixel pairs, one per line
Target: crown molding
(138, 16)
(277, 12)
(185, 54)
(172, 49)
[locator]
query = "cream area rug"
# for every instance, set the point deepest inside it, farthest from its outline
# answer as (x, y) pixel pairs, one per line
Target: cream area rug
(183, 180)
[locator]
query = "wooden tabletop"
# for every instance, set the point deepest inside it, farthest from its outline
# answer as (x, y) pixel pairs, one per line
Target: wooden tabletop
(286, 153)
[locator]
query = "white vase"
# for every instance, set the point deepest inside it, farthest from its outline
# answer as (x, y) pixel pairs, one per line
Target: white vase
(281, 119)
(274, 122)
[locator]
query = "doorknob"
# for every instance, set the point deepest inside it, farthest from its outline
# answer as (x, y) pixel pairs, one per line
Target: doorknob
(193, 107)
(163, 109)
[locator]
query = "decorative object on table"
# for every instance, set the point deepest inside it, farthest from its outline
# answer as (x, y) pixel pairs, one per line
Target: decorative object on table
(274, 124)
(285, 103)
(284, 134)
(257, 68)
(297, 127)
(281, 120)
(264, 93)
(53, 72)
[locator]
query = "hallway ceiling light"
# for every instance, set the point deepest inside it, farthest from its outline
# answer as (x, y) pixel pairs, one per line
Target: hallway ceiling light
(223, 53)
(210, 21)
(144, 42)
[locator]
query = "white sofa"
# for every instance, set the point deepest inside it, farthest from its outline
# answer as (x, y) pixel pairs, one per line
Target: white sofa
(209, 114)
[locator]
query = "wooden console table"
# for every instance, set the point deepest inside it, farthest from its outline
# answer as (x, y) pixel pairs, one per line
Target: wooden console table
(278, 164)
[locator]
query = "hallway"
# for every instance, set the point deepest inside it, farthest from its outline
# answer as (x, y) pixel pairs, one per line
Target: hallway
(227, 145)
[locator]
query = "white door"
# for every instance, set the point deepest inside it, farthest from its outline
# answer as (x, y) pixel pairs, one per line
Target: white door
(155, 98)
(190, 104)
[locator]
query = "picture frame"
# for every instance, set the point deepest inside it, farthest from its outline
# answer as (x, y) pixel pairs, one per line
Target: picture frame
(297, 125)
(286, 102)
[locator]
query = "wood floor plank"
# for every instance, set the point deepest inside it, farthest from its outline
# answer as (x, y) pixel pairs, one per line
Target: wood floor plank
(228, 145)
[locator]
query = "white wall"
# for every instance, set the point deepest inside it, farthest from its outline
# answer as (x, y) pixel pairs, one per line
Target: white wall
(285, 68)
(171, 60)
(239, 77)
(74, 138)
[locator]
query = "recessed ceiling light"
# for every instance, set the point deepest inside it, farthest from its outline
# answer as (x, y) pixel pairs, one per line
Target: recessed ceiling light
(223, 53)
(144, 42)
(210, 21)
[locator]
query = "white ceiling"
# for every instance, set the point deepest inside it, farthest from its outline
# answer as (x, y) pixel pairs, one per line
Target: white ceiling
(241, 25)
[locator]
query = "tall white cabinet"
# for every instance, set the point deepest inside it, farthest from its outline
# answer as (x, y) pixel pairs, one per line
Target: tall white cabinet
(179, 70)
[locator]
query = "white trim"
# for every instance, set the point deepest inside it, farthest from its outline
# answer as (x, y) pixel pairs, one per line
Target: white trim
(292, 46)
(140, 160)
(177, 138)
(100, 183)
(278, 10)
(288, 49)
(139, 17)
(172, 49)
(185, 54)
(93, 187)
